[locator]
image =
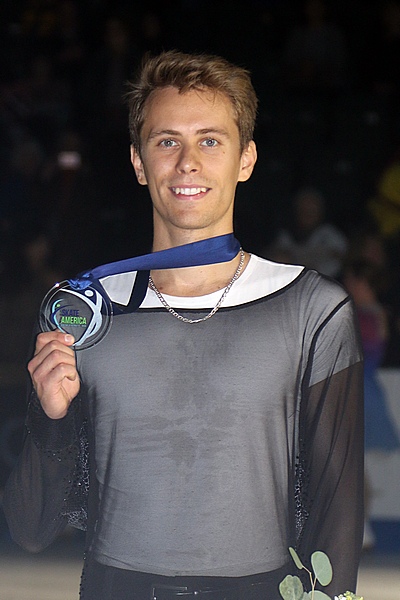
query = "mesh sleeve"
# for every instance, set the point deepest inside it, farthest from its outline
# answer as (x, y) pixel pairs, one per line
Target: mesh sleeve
(48, 486)
(330, 472)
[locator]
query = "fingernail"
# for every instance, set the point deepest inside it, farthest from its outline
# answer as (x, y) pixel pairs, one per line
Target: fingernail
(69, 339)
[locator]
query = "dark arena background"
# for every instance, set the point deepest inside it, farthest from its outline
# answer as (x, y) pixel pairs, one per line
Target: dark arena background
(327, 73)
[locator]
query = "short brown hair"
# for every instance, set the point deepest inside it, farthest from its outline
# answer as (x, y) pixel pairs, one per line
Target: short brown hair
(192, 72)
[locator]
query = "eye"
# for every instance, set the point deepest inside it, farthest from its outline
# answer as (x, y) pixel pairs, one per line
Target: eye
(168, 143)
(209, 142)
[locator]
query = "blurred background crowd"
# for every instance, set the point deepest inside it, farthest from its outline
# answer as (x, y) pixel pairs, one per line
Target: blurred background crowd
(325, 192)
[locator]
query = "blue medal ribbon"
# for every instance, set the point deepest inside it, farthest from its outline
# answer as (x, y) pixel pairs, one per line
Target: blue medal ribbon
(222, 248)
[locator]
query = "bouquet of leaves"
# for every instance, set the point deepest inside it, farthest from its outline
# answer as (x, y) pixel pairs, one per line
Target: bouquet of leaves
(291, 588)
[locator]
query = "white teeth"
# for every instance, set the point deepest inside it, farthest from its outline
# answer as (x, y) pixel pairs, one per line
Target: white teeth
(189, 191)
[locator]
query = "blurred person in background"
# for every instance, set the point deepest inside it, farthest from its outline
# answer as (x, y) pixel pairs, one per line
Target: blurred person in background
(28, 270)
(315, 56)
(383, 216)
(21, 192)
(309, 239)
(71, 203)
(103, 114)
(378, 62)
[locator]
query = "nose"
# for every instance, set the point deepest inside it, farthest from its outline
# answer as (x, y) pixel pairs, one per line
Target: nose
(188, 160)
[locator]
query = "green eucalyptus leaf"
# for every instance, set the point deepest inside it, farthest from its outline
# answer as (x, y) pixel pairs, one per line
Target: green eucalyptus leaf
(322, 567)
(320, 595)
(291, 588)
(296, 558)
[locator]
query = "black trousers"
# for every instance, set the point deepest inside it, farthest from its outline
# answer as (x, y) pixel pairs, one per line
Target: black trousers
(100, 582)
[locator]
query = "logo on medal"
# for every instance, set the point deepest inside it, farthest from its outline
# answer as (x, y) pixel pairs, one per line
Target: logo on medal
(84, 313)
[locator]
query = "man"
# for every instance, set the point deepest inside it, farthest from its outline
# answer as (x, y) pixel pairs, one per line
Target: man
(224, 415)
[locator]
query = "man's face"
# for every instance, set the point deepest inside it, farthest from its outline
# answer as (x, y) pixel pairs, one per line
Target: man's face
(191, 161)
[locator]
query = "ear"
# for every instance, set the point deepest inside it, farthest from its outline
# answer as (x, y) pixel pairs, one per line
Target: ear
(138, 166)
(247, 161)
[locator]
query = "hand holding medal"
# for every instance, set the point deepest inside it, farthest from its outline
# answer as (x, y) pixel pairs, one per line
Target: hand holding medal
(84, 313)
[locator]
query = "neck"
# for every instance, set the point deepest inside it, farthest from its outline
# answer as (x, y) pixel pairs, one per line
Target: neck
(163, 240)
(197, 281)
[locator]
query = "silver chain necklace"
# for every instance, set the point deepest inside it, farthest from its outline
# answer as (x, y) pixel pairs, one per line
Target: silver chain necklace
(216, 307)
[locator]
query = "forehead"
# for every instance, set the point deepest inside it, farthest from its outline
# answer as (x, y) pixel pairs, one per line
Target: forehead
(169, 108)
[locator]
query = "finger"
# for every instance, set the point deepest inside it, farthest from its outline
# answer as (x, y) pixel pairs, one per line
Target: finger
(53, 336)
(57, 389)
(51, 354)
(52, 378)
(52, 374)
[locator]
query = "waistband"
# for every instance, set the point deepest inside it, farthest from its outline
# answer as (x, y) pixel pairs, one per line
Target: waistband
(102, 582)
(169, 592)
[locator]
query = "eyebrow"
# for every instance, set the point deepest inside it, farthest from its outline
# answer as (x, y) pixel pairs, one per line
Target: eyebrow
(173, 132)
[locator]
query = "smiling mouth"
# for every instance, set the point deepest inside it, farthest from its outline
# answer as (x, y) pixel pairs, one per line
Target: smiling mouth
(190, 191)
